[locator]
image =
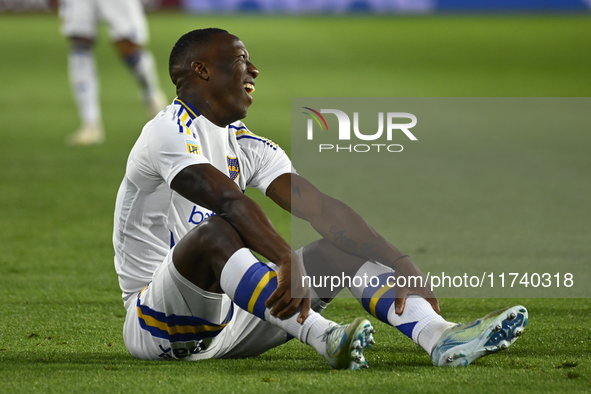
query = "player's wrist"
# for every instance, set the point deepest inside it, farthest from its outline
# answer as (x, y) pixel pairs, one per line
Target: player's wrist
(283, 255)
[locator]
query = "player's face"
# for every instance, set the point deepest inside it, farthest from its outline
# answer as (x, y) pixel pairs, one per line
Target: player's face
(231, 79)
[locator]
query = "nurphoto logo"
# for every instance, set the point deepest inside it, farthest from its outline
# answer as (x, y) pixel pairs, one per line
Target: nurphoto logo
(344, 130)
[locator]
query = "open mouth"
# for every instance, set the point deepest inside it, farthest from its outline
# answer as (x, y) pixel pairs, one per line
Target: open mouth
(249, 87)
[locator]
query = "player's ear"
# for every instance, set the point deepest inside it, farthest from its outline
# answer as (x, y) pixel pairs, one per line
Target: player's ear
(200, 69)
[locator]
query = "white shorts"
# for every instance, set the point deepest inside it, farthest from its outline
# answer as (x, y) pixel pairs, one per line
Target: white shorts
(173, 318)
(126, 19)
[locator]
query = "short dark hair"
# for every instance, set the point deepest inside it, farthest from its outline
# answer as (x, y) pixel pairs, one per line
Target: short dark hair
(188, 42)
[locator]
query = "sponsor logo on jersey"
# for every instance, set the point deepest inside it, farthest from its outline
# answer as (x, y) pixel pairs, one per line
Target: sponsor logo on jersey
(192, 147)
(198, 216)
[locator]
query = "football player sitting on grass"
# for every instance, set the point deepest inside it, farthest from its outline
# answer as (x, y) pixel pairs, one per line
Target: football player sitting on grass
(185, 231)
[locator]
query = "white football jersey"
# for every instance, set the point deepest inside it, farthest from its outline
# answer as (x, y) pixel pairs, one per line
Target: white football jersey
(149, 216)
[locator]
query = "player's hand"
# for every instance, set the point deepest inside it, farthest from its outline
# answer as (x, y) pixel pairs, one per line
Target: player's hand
(406, 268)
(281, 301)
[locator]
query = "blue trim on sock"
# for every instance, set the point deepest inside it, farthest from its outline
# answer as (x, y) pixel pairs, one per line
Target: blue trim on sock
(383, 307)
(386, 299)
(133, 59)
(407, 328)
(259, 306)
(247, 286)
(244, 291)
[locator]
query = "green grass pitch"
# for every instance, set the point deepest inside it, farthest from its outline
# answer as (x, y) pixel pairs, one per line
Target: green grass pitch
(60, 311)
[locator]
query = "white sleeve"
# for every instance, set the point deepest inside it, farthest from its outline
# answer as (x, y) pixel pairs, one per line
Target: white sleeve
(170, 152)
(266, 162)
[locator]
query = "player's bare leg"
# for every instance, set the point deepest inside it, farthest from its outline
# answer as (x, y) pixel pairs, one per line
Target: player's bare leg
(141, 63)
(213, 257)
(448, 344)
(85, 88)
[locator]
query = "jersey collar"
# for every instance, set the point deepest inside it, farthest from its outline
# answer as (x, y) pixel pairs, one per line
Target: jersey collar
(193, 113)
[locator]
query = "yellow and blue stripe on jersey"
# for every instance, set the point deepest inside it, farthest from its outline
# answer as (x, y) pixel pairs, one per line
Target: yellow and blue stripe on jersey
(256, 285)
(242, 132)
(177, 328)
(185, 116)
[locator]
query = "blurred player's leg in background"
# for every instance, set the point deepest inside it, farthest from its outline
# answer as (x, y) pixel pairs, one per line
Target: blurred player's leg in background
(141, 63)
(85, 87)
(79, 24)
(128, 30)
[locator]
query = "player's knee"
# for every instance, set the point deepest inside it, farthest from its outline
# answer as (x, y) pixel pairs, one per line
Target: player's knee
(201, 254)
(218, 235)
(81, 44)
(126, 48)
(213, 239)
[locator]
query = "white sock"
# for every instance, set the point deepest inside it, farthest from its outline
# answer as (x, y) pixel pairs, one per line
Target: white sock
(418, 321)
(249, 283)
(84, 81)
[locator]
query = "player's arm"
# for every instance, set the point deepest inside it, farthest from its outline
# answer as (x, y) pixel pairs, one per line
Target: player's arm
(204, 185)
(346, 229)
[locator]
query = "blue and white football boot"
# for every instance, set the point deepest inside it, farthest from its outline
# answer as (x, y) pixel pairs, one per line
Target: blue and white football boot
(464, 343)
(345, 344)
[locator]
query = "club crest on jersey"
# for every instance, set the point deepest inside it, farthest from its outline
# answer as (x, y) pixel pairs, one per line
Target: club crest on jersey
(192, 148)
(233, 167)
